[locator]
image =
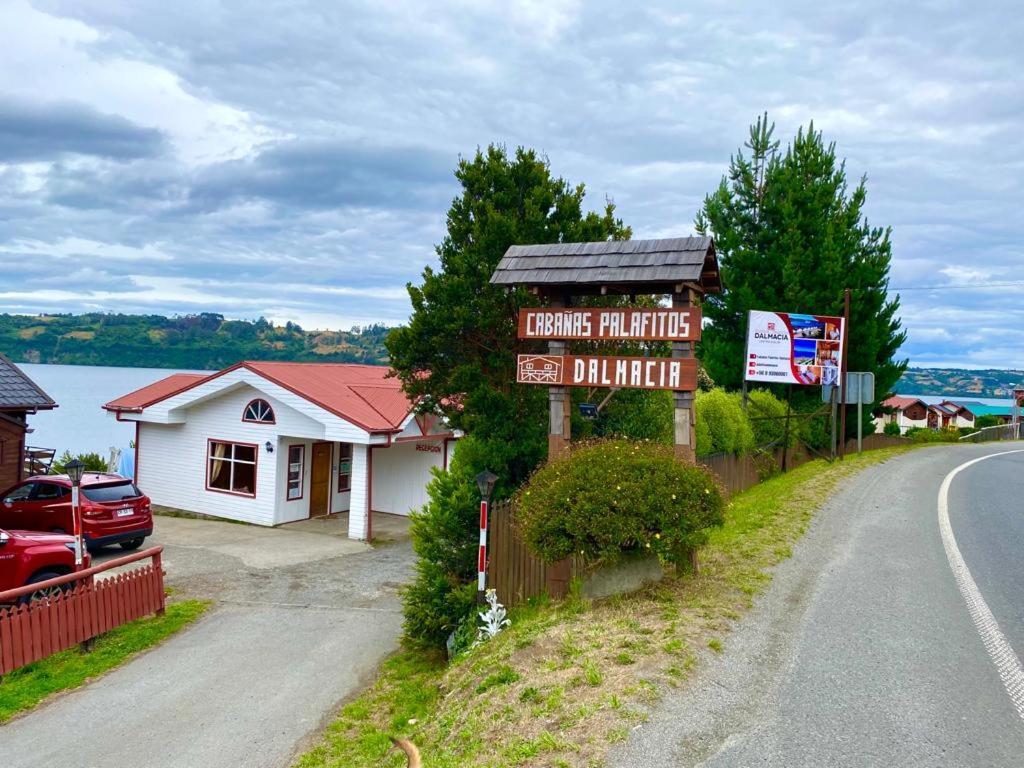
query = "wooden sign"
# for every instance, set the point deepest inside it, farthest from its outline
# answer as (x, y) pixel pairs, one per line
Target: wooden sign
(607, 371)
(659, 324)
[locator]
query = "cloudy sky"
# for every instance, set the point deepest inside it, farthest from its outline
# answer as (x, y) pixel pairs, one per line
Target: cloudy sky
(293, 159)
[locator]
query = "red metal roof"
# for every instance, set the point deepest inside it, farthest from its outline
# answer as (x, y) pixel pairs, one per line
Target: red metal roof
(901, 403)
(363, 394)
(155, 392)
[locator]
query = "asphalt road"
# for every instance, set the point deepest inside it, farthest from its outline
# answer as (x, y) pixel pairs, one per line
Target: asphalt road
(301, 620)
(863, 651)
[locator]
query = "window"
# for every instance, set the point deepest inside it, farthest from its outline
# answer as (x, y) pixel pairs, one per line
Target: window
(260, 412)
(231, 468)
(50, 491)
(111, 492)
(345, 468)
(296, 459)
(21, 493)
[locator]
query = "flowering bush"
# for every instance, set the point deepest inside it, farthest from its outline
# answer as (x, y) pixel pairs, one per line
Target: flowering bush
(615, 496)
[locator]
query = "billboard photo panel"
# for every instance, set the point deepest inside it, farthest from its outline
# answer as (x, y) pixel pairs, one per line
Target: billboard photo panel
(790, 348)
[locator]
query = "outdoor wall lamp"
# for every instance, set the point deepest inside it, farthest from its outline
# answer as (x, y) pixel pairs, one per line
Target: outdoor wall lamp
(269, 446)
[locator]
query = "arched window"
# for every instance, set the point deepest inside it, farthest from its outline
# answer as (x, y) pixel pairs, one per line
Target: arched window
(259, 411)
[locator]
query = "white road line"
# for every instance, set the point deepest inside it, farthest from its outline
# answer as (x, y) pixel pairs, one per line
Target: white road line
(995, 642)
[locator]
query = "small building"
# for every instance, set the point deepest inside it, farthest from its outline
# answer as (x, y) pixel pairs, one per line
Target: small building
(907, 412)
(954, 414)
(275, 442)
(20, 397)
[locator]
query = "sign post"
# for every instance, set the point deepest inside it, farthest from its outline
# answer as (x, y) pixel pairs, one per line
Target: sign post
(858, 389)
(485, 483)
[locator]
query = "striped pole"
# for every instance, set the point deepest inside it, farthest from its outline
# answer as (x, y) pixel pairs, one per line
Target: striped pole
(481, 575)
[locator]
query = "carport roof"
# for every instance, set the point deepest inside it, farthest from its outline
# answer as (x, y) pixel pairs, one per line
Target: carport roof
(365, 395)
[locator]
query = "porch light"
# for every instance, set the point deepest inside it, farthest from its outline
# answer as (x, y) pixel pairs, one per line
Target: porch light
(75, 470)
(269, 446)
(485, 482)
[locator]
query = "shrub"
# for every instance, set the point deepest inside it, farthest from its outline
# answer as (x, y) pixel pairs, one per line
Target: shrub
(767, 416)
(722, 424)
(892, 428)
(922, 435)
(442, 593)
(638, 414)
(987, 420)
(93, 462)
(614, 496)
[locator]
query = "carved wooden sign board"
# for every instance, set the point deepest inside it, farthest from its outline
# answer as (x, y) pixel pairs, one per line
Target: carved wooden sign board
(660, 324)
(607, 371)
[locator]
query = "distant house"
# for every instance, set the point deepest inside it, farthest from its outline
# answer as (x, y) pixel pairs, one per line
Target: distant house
(274, 442)
(20, 397)
(949, 415)
(1002, 412)
(907, 412)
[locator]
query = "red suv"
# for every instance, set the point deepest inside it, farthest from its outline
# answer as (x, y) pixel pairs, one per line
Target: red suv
(114, 510)
(28, 557)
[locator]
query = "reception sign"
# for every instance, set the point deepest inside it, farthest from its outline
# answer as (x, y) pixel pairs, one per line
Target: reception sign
(658, 324)
(785, 348)
(607, 371)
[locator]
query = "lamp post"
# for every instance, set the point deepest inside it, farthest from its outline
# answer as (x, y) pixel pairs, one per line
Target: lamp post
(485, 482)
(75, 470)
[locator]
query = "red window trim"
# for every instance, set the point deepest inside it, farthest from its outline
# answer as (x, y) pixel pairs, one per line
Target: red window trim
(351, 452)
(273, 413)
(302, 471)
(255, 467)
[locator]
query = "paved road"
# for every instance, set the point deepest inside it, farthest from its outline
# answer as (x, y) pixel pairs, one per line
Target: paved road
(863, 652)
(301, 620)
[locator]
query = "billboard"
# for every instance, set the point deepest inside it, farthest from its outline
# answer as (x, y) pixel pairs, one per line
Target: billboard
(608, 371)
(786, 348)
(656, 324)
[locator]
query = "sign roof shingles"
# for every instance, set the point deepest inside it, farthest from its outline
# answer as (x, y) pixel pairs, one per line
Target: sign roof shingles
(615, 262)
(18, 392)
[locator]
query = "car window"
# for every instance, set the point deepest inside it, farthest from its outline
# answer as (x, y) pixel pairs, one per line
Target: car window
(20, 493)
(49, 491)
(111, 492)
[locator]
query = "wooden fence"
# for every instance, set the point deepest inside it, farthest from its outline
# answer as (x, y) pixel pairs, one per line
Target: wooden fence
(514, 571)
(517, 574)
(35, 630)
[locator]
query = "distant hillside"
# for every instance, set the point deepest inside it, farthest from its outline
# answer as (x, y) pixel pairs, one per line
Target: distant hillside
(957, 381)
(204, 341)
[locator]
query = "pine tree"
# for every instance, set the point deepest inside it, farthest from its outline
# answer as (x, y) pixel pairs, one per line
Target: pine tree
(790, 237)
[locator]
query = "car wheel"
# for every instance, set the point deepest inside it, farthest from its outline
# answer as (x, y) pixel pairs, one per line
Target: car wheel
(45, 593)
(132, 544)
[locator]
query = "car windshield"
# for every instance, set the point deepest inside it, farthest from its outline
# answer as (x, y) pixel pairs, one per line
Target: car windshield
(111, 492)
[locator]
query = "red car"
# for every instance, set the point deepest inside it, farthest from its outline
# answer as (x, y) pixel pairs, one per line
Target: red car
(114, 510)
(28, 557)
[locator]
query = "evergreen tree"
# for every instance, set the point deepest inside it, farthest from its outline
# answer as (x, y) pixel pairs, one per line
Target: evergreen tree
(790, 237)
(459, 348)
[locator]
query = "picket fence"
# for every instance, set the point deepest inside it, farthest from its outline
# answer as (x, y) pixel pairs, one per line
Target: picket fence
(91, 606)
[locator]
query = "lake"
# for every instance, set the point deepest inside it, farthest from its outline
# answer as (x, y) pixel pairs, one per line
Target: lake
(80, 424)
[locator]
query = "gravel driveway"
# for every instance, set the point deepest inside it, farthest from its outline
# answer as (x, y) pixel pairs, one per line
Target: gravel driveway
(301, 620)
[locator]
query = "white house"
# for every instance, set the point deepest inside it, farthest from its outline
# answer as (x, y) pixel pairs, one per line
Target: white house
(274, 442)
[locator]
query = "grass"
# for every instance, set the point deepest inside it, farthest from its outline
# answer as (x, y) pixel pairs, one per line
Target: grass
(25, 688)
(568, 680)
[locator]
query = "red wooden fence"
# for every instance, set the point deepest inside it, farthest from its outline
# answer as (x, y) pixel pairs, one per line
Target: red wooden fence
(92, 606)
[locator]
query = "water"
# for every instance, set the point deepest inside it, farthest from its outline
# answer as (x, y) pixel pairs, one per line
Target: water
(80, 424)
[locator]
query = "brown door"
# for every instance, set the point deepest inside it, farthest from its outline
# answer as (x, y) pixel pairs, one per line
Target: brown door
(320, 481)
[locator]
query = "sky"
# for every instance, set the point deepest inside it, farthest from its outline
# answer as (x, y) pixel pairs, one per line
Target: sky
(293, 160)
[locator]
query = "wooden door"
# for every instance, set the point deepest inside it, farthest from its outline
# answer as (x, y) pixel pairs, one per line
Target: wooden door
(320, 481)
